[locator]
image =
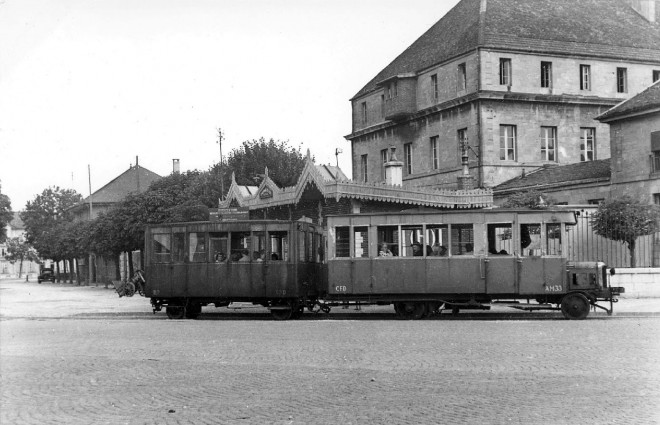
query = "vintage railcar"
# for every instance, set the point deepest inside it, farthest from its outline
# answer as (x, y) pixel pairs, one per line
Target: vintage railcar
(426, 261)
(422, 262)
(273, 263)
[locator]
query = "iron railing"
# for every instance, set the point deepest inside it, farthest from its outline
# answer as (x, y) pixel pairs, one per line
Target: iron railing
(584, 245)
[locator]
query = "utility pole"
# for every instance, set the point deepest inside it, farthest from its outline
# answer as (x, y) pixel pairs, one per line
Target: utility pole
(222, 176)
(90, 259)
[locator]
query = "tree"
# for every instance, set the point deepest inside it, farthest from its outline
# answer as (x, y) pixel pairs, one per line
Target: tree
(5, 215)
(624, 220)
(18, 250)
(42, 215)
(531, 198)
(248, 162)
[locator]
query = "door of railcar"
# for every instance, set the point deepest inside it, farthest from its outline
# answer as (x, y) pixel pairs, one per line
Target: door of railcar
(166, 271)
(543, 265)
(278, 267)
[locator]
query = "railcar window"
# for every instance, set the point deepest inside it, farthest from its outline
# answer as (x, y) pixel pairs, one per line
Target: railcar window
(178, 247)
(500, 239)
(438, 237)
(218, 246)
(388, 235)
(413, 244)
(279, 245)
(258, 246)
(342, 242)
(161, 248)
(302, 248)
(553, 239)
(361, 236)
(462, 239)
(240, 246)
(530, 239)
(197, 247)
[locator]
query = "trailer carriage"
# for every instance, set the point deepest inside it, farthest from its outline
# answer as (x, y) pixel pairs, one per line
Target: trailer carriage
(273, 263)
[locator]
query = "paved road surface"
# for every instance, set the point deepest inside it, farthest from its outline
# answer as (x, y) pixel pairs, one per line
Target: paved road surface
(71, 355)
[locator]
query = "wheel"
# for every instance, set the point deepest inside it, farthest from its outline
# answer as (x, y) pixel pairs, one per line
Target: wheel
(193, 310)
(410, 310)
(575, 306)
(39, 281)
(175, 311)
(283, 312)
(129, 289)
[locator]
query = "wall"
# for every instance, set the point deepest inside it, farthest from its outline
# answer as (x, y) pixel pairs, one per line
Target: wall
(639, 283)
(631, 150)
(529, 117)
(565, 75)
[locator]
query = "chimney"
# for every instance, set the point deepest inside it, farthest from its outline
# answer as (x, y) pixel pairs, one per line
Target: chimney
(646, 8)
(393, 170)
(175, 166)
(465, 180)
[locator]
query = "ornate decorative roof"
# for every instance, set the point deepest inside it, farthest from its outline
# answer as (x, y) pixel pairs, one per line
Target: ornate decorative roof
(331, 182)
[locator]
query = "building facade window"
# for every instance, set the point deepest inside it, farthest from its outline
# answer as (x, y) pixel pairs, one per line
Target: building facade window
(656, 198)
(505, 72)
(462, 140)
(585, 77)
(363, 167)
(434, 86)
(587, 144)
(656, 75)
(462, 77)
(548, 143)
(363, 111)
(546, 74)
(407, 158)
(655, 152)
(383, 161)
(435, 154)
(621, 80)
(507, 142)
(382, 106)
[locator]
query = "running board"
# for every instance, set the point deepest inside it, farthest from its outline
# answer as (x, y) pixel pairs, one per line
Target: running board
(530, 307)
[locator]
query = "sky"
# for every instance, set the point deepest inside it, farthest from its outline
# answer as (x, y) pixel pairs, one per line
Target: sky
(95, 84)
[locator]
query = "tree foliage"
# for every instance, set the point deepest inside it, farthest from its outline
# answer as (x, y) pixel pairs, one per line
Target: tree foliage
(248, 162)
(531, 198)
(20, 251)
(42, 217)
(5, 215)
(624, 220)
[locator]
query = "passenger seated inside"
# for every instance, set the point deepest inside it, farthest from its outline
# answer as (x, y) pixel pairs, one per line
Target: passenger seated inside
(417, 249)
(469, 248)
(244, 256)
(274, 256)
(261, 255)
(439, 250)
(384, 250)
(495, 252)
(220, 257)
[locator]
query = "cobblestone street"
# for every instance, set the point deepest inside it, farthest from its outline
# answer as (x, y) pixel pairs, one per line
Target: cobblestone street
(111, 361)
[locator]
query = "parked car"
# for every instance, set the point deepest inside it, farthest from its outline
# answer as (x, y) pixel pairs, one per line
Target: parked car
(46, 274)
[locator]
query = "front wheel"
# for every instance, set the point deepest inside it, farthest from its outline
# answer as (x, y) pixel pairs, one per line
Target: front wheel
(575, 306)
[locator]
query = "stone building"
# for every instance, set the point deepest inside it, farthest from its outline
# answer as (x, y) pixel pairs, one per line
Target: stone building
(633, 169)
(635, 141)
(516, 83)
